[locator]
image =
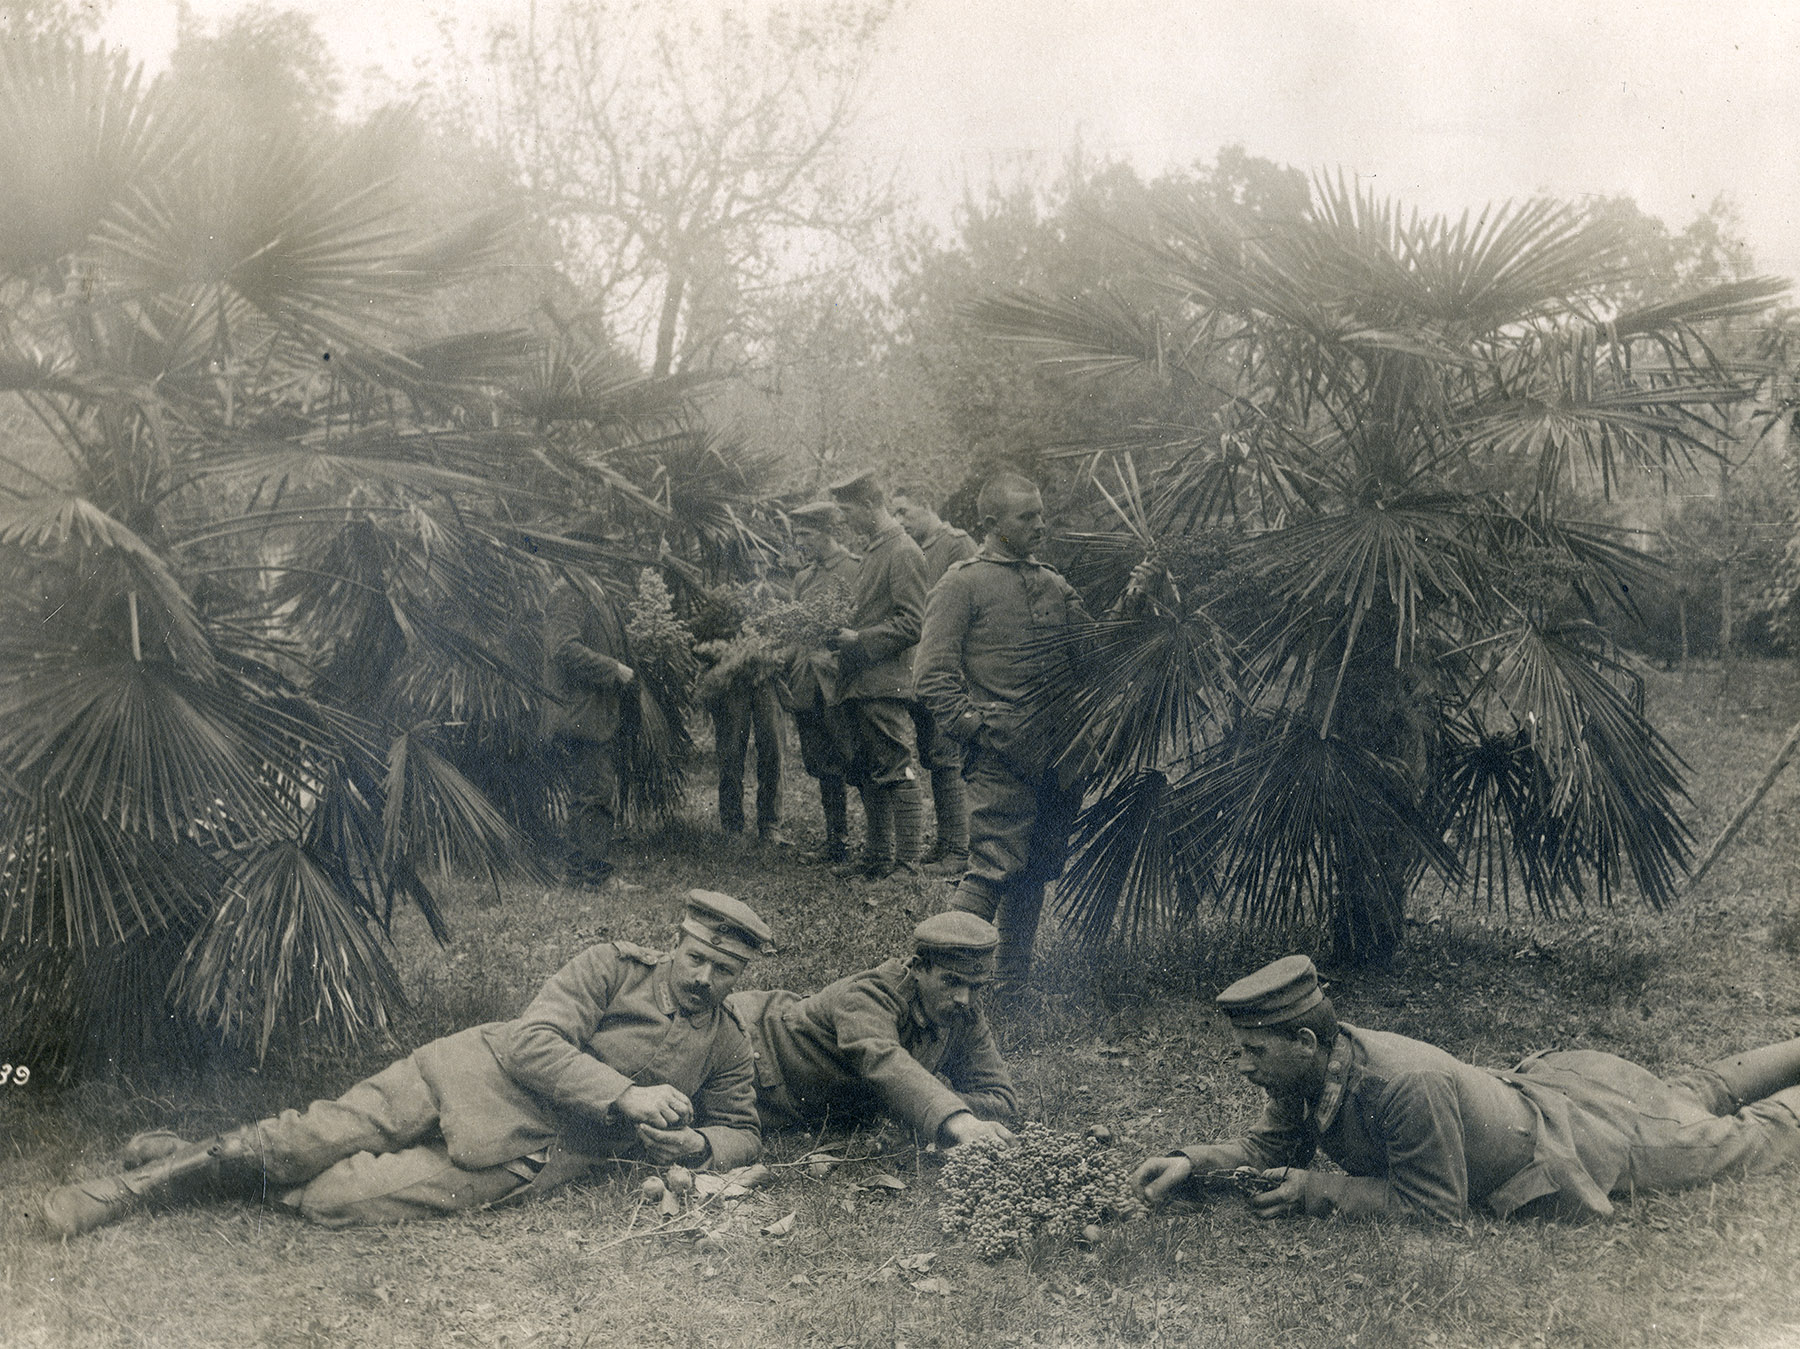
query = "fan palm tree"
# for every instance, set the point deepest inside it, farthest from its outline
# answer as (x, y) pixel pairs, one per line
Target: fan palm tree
(1373, 653)
(266, 654)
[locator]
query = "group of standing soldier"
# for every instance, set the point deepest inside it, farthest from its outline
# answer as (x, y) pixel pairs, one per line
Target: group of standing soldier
(930, 674)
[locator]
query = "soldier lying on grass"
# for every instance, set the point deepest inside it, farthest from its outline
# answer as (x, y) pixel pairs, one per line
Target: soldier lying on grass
(1420, 1132)
(625, 1052)
(906, 1036)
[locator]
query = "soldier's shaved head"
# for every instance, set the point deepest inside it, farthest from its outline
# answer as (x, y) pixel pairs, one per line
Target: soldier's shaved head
(1003, 490)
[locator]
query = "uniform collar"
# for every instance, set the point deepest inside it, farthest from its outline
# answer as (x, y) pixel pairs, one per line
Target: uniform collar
(989, 553)
(881, 536)
(1337, 1078)
(909, 989)
(941, 532)
(665, 991)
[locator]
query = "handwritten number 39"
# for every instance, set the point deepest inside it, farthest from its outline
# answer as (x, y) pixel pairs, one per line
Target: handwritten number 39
(18, 1076)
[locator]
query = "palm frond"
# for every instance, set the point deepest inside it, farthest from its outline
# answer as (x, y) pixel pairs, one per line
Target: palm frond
(70, 1012)
(147, 748)
(79, 132)
(1125, 876)
(1302, 828)
(292, 946)
(55, 523)
(435, 817)
(1130, 694)
(1731, 299)
(71, 880)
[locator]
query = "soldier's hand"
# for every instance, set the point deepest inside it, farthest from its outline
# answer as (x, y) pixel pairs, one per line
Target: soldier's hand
(670, 1145)
(965, 1127)
(661, 1106)
(844, 637)
(1156, 1177)
(1286, 1200)
(626, 675)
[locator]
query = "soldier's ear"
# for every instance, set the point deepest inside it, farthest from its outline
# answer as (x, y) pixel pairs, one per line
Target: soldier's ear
(1306, 1039)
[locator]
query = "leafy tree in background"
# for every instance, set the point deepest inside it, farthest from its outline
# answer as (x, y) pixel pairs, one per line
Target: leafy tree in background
(269, 615)
(1374, 654)
(691, 158)
(997, 407)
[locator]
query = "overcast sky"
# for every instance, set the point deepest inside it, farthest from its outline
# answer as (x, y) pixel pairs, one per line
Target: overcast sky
(1445, 103)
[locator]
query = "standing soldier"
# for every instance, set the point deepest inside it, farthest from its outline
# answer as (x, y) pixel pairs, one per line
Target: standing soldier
(746, 704)
(874, 656)
(978, 661)
(942, 544)
(586, 676)
(626, 1052)
(827, 743)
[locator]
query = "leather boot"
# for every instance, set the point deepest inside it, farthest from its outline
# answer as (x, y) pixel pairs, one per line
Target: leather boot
(835, 800)
(227, 1160)
(1757, 1073)
(593, 842)
(877, 859)
(908, 806)
(951, 806)
(1021, 905)
(976, 896)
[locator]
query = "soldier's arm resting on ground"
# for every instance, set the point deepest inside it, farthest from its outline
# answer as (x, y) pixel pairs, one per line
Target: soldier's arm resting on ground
(866, 1026)
(904, 576)
(725, 1105)
(978, 1075)
(543, 1050)
(938, 663)
(1279, 1138)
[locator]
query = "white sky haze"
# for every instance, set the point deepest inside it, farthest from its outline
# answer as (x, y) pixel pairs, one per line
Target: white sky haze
(1441, 103)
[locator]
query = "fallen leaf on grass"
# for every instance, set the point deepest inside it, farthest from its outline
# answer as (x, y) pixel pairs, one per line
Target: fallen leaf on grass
(884, 1181)
(921, 1263)
(801, 1281)
(941, 1287)
(781, 1226)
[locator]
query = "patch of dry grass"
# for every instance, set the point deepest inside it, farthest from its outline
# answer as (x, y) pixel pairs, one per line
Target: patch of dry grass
(1129, 1040)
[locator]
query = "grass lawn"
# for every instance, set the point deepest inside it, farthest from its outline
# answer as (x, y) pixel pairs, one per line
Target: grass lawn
(1129, 1041)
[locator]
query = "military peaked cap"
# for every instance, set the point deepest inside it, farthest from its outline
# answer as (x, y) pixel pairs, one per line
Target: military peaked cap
(727, 925)
(959, 940)
(817, 515)
(864, 486)
(1277, 993)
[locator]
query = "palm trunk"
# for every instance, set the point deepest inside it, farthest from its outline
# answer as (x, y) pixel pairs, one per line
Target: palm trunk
(1378, 708)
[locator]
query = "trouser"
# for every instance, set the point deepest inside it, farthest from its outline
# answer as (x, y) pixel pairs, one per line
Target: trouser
(1018, 842)
(744, 709)
(1751, 1124)
(1633, 1130)
(886, 773)
(375, 1155)
(942, 757)
(593, 805)
(827, 740)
